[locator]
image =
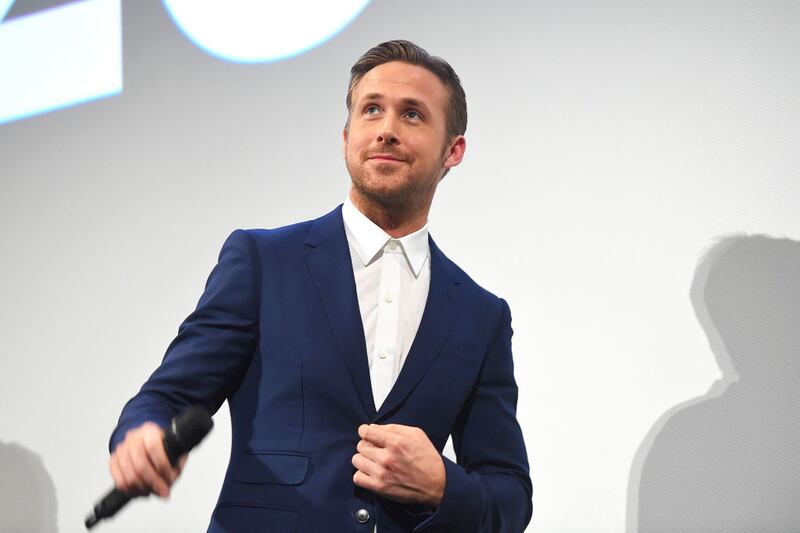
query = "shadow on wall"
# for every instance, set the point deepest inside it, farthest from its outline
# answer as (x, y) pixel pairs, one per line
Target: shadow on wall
(729, 461)
(27, 494)
(21, 8)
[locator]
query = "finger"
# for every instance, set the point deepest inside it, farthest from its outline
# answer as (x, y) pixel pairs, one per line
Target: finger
(146, 471)
(400, 429)
(154, 445)
(364, 481)
(369, 468)
(116, 473)
(387, 490)
(371, 452)
(378, 435)
(132, 485)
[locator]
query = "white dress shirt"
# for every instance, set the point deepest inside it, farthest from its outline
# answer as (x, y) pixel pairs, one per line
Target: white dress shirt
(392, 280)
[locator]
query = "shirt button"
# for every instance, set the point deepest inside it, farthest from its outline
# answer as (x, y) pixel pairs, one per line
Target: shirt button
(387, 298)
(384, 354)
(393, 245)
(362, 515)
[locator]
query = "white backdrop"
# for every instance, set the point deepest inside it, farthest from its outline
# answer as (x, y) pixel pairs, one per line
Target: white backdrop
(609, 144)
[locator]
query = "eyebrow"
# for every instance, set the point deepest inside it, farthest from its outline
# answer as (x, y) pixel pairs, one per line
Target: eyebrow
(413, 102)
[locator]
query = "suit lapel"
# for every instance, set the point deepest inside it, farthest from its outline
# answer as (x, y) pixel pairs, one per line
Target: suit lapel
(438, 317)
(331, 269)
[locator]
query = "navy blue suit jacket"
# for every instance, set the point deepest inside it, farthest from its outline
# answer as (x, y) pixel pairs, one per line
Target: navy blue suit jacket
(278, 333)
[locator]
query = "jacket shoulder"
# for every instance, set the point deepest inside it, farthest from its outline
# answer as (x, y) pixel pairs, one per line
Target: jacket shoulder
(472, 287)
(297, 234)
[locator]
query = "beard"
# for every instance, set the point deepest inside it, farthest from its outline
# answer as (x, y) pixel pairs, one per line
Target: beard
(393, 185)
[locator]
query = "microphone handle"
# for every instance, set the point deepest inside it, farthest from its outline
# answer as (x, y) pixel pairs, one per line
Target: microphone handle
(110, 504)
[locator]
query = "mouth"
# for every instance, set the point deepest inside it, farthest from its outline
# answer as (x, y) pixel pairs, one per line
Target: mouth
(383, 158)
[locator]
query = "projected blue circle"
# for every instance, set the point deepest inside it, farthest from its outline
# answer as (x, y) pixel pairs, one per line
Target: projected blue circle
(5, 5)
(253, 31)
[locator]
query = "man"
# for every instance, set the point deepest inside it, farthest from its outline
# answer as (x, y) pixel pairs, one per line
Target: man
(349, 347)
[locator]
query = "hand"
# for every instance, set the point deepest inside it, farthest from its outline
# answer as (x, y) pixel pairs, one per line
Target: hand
(400, 463)
(139, 464)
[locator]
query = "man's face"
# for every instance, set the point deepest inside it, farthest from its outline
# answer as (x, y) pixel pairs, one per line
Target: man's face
(396, 148)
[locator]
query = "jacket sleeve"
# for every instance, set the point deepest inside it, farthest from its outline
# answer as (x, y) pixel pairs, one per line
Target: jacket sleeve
(214, 345)
(489, 489)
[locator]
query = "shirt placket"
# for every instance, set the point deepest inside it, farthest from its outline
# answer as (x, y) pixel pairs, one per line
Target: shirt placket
(386, 348)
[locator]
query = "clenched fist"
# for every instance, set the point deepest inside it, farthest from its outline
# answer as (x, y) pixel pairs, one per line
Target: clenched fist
(139, 464)
(400, 463)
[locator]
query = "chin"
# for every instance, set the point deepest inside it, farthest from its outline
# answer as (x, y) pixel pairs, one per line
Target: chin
(384, 195)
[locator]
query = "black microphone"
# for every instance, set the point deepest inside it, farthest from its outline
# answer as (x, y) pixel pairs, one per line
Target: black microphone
(184, 433)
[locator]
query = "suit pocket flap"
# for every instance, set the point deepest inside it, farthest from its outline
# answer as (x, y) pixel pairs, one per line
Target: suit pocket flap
(280, 468)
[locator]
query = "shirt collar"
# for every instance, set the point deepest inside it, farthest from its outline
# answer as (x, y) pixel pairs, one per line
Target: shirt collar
(369, 239)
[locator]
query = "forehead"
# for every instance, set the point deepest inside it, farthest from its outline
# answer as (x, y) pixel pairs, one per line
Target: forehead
(402, 80)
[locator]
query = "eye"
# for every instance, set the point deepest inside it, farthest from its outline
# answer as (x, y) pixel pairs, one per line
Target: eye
(413, 114)
(371, 109)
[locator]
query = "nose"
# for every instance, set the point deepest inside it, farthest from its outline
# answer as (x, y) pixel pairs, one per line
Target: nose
(387, 133)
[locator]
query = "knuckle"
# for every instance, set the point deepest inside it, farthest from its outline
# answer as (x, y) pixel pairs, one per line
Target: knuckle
(120, 449)
(142, 471)
(156, 455)
(122, 462)
(151, 444)
(138, 470)
(136, 456)
(128, 481)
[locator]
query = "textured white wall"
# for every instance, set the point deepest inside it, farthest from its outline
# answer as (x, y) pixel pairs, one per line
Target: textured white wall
(609, 143)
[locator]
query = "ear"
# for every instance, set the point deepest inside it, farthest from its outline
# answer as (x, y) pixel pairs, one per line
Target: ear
(344, 141)
(455, 152)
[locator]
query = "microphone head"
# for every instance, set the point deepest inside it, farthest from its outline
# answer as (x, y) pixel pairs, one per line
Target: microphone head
(191, 426)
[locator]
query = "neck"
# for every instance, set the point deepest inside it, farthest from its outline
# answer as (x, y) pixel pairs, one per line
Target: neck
(397, 220)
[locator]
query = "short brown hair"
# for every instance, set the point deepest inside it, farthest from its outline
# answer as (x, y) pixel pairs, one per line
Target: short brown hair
(408, 52)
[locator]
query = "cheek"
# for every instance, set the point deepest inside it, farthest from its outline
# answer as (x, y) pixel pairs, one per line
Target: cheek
(351, 154)
(428, 144)
(355, 142)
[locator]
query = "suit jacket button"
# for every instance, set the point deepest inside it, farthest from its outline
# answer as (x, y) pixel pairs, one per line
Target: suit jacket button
(362, 515)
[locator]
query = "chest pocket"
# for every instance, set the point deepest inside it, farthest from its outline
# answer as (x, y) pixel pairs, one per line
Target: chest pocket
(463, 351)
(444, 389)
